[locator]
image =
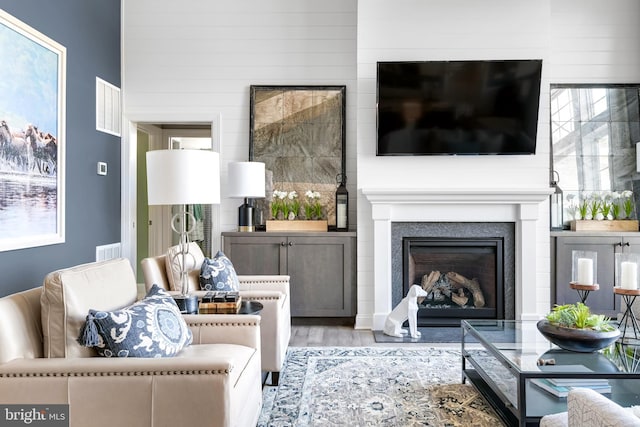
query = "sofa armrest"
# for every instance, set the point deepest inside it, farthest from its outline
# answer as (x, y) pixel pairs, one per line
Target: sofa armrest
(238, 329)
(113, 366)
(275, 326)
(588, 408)
(219, 383)
(264, 282)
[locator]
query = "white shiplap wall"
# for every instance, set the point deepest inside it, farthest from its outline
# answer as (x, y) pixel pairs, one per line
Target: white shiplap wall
(595, 41)
(579, 41)
(193, 56)
(447, 30)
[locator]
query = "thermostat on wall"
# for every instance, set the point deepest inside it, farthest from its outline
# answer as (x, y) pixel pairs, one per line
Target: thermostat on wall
(102, 168)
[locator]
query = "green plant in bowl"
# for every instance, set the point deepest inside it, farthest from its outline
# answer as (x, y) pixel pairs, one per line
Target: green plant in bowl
(573, 327)
(579, 316)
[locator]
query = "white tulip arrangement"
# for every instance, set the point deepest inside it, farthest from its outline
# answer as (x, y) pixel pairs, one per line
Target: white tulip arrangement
(601, 205)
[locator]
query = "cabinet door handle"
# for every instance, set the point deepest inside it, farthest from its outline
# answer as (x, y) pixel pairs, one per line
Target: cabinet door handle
(627, 244)
(283, 244)
(290, 243)
(619, 244)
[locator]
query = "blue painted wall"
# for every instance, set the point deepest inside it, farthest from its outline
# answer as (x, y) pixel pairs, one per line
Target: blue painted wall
(90, 30)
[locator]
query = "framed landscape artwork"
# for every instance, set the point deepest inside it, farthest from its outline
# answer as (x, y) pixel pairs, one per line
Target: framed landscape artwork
(299, 133)
(32, 107)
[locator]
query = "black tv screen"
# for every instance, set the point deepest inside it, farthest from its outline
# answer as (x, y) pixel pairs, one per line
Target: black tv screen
(458, 107)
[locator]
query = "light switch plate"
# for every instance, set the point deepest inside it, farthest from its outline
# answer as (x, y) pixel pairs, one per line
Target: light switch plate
(102, 168)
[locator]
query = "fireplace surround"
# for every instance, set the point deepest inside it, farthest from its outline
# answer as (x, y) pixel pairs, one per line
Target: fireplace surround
(475, 250)
(521, 207)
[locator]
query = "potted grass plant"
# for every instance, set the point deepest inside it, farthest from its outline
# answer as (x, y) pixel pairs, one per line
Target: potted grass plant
(573, 327)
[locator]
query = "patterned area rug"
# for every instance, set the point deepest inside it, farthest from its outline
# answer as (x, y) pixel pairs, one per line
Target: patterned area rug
(328, 386)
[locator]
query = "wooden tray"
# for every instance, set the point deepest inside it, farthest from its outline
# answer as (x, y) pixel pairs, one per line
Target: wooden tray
(297, 225)
(604, 225)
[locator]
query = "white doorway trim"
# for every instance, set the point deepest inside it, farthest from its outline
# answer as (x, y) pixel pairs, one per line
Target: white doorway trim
(128, 191)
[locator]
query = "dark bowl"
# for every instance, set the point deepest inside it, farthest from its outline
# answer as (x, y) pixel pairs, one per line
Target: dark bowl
(580, 340)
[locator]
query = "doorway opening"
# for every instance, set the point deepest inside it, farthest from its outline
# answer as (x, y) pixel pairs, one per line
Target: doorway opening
(147, 229)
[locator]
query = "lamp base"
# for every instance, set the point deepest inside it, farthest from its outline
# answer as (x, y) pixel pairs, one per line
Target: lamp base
(188, 304)
(245, 217)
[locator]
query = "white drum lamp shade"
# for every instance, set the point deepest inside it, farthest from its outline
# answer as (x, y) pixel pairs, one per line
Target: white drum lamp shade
(183, 177)
(246, 180)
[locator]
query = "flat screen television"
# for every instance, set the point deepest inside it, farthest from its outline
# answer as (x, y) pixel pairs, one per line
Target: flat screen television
(457, 107)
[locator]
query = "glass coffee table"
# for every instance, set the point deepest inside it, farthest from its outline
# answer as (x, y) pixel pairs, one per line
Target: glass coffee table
(509, 362)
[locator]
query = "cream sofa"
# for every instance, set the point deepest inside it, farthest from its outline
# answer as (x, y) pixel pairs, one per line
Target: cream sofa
(588, 408)
(271, 291)
(215, 381)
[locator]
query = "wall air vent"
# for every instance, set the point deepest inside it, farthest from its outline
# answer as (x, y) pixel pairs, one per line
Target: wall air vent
(108, 117)
(111, 251)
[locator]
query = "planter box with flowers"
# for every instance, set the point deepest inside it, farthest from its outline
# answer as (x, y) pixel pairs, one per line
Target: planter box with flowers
(612, 225)
(297, 225)
(603, 212)
(288, 214)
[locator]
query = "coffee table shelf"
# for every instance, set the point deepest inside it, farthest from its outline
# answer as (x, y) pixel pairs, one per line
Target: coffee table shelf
(500, 358)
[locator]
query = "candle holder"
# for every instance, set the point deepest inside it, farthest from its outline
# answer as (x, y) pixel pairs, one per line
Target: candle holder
(584, 268)
(626, 271)
(626, 285)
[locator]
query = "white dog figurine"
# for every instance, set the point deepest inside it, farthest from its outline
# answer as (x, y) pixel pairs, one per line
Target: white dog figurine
(406, 310)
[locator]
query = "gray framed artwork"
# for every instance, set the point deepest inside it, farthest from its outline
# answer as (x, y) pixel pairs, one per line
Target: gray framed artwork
(299, 133)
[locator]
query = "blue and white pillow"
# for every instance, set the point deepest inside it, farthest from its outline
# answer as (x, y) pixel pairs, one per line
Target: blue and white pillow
(151, 327)
(218, 274)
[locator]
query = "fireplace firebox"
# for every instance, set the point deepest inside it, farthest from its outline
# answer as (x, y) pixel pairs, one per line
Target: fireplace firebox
(464, 278)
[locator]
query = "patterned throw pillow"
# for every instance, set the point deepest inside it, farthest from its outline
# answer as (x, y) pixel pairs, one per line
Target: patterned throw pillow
(218, 274)
(151, 327)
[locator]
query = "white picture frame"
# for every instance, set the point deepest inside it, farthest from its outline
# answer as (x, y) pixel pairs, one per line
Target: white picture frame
(32, 137)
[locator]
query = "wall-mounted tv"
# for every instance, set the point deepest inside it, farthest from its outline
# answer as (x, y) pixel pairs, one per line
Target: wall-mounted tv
(458, 107)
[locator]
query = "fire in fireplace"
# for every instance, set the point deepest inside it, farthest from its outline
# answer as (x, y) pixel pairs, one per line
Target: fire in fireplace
(464, 278)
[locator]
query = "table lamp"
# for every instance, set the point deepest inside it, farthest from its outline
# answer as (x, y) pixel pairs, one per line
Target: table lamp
(183, 177)
(246, 180)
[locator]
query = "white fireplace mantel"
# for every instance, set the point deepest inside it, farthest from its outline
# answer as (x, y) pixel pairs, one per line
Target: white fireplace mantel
(520, 206)
(458, 196)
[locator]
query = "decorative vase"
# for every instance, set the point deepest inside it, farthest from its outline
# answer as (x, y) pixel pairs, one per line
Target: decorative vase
(579, 340)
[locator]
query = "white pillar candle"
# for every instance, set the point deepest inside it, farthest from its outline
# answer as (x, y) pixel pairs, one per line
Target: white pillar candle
(585, 271)
(628, 275)
(341, 216)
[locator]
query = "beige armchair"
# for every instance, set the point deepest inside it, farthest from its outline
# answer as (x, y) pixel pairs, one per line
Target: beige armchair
(588, 408)
(215, 381)
(271, 291)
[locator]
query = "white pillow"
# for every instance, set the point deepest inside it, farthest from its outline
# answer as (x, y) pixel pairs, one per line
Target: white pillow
(68, 294)
(194, 260)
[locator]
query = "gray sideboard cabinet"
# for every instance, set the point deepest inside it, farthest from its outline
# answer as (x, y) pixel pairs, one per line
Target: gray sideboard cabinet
(606, 244)
(322, 267)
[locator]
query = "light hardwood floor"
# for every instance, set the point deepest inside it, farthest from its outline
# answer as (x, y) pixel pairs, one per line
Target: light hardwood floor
(345, 336)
